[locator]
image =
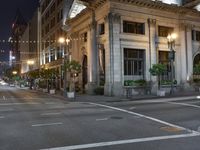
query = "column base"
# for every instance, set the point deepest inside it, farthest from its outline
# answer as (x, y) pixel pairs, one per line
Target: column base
(115, 89)
(90, 87)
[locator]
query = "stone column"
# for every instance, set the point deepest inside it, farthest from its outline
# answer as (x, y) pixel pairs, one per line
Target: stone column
(183, 53)
(189, 50)
(113, 54)
(152, 53)
(92, 56)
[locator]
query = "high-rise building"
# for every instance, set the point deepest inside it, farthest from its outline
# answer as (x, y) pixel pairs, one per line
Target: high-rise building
(53, 15)
(30, 45)
(18, 28)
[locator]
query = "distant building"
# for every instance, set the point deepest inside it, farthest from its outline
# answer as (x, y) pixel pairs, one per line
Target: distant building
(53, 15)
(18, 28)
(115, 44)
(30, 45)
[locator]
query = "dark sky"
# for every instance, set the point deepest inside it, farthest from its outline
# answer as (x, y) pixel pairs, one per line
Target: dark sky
(8, 10)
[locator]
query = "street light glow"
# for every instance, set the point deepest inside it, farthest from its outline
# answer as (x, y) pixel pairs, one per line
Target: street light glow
(30, 62)
(61, 40)
(14, 72)
(172, 37)
(67, 41)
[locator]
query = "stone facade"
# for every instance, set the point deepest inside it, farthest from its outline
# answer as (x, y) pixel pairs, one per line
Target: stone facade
(113, 40)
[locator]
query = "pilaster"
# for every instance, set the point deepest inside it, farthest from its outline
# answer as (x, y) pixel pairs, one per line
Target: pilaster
(92, 56)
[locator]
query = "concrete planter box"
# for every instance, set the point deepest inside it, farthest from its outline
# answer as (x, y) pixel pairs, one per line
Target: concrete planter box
(160, 93)
(45, 90)
(52, 91)
(71, 94)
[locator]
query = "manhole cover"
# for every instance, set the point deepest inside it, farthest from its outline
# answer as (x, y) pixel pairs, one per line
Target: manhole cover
(171, 129)
(116, 117)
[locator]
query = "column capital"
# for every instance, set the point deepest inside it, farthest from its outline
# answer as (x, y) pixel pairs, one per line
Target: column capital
(151, 22)
(186, 26)
(114, 17)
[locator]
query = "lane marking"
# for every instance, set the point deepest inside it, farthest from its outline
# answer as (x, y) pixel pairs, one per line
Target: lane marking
(143, 116)
(184, 104)
(193, 102)
(102, 119)
(8, 109)
(50, 103)
(9, 104)
(48, 114)
(131, 108)
(120, 142)
(47, 124)
(1, 117)
(4, 98)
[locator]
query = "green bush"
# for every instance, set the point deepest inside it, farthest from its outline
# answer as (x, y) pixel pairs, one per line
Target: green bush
(167, 82)
(140, 82)
(99, 91)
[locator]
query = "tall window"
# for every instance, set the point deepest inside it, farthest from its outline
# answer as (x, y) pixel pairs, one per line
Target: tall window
(133, 61)
(164, 31)
(46, 57)
(52, 54)
(164, 59)
(101, 28)
(59, 53)
(133, 27)
(195, 35)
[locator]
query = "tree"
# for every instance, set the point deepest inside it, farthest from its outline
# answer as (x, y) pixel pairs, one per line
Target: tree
(74, 68)
(158, 70)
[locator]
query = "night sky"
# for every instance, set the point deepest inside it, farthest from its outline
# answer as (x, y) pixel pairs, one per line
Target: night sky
(8, 10)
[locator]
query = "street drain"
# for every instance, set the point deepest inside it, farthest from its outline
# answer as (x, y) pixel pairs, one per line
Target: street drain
(116, 117)
(171, 129)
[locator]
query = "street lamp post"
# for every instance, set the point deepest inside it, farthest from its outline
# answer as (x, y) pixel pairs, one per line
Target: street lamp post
(66, 56)
(171, 45)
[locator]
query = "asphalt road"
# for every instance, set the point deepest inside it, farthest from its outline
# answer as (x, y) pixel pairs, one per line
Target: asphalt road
(30, 121)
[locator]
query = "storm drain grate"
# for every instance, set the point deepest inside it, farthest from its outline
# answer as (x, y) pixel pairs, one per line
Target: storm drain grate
(171, 129)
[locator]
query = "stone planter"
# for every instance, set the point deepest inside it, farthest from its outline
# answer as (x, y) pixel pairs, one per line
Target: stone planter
(45, 90)
(71, 94)
(52, 91)
(160, 93)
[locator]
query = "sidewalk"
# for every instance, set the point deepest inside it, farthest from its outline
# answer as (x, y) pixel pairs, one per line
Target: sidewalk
(102, 98)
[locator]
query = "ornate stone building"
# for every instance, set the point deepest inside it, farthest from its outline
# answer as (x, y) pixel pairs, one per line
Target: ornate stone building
(18, 28)
(119, 40)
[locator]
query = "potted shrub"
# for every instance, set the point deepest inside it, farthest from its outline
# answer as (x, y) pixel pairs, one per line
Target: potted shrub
(196, 77)
(158, 70)
(73, 67)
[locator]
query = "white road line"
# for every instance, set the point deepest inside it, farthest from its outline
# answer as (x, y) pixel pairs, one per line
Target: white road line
(48, 114)
(184, 104)
(47, 124)
(4, 98)
(120, 142)
(8, 109)
(50, 103)
(143, 116)
(131, 108)
(198, 97)
(9, 104)
(102, 119)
